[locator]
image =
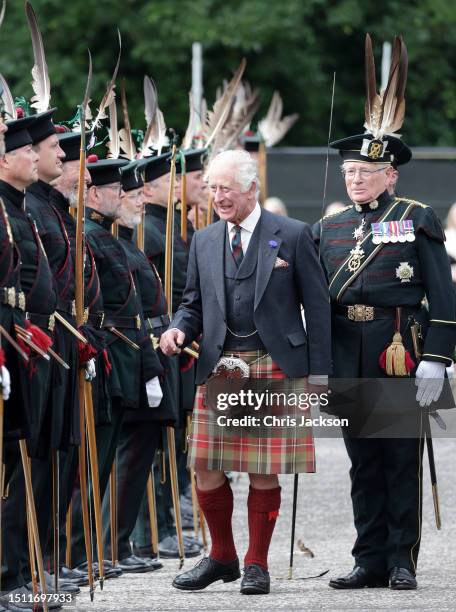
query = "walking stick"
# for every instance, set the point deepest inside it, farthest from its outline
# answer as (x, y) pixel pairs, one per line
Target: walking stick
(55, 515)
(183, 199)
(293, 525)
(33, 522)
(68, 530)
(95, 478)
(169, 298)
(113, 510)
(79, 281)
(31, 553)
(151, 502)
(416, 338)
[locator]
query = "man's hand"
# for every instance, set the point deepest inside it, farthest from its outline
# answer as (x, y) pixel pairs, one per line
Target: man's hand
(5, 381)
(171, 341)
(154, 392)
(430, 376)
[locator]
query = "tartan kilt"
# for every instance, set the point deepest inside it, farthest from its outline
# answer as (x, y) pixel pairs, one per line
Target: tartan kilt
(212, 447)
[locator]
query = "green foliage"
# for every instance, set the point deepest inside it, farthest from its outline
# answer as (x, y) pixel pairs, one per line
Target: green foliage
(290, 45)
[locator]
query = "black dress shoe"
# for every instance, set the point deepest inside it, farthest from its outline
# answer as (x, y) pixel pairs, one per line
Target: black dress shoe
(153, 563)
(402, 579)
(359, 578)
(74, 575)
(17, 599)
(109, 570)
(65, 586)
(136, 565)
(168, 548)
(255, 581)
(205, 573)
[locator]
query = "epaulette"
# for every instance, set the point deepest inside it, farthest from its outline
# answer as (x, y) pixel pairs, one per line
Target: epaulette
(338, 212)
(414, 202)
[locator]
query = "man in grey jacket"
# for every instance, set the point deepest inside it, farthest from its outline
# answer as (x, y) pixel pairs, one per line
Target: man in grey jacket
(248, 275)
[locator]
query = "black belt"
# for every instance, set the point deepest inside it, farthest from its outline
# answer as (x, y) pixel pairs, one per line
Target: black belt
(361, 312)
(12, 297)
(96, 319)
(158, 321)
(42, 320)
(122, 321)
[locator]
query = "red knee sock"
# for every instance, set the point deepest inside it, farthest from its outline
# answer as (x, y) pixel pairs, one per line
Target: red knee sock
(263, 506)
(217, 507)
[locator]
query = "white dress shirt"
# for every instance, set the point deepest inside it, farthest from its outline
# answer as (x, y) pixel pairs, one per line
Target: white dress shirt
(247, 227)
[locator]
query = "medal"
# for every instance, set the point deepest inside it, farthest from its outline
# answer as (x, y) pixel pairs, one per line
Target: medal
(358, 233)
(404, 272)
(356, 255)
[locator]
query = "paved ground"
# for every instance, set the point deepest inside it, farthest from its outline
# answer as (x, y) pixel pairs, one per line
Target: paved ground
(325, 526)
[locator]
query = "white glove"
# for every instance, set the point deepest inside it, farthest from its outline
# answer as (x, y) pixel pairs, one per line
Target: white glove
(430, 376)
(5, 381)
(154, 392)
(90, 370)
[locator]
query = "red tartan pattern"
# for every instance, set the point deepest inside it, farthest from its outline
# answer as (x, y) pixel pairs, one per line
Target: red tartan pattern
(212, 447)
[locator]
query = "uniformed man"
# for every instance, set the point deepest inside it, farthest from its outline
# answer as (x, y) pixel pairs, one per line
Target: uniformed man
(155, 172)
(141, 429)
(62, 196)
(18, 170)
(383, 255)
(123, 321)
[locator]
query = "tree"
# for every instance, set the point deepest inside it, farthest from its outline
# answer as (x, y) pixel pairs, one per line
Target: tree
(290, 45)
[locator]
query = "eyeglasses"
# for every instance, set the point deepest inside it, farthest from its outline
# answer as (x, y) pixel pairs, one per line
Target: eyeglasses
(350, 173)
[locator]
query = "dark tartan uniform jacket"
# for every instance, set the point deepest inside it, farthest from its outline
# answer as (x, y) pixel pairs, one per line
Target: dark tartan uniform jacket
(153, 304)
(120, 300)
(41, 298)
(357, 346)
(63, 409)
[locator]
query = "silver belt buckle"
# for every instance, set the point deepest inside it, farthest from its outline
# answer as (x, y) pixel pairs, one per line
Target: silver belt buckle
(231, 367)
(360, 312)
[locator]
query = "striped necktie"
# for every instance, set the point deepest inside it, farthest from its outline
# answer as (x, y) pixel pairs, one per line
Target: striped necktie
(236, 246)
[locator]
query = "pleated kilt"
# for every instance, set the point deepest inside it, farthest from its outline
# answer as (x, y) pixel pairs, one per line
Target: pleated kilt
(289, 450)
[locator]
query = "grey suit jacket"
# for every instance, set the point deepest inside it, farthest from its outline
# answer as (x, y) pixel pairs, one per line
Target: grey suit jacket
(279, 293)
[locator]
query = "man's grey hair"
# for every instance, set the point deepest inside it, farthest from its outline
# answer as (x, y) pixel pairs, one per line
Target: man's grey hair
(246, 168)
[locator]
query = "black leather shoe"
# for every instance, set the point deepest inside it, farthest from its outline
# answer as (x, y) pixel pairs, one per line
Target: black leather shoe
(153, 563)
(51, 604)
(205, 573)
(74, 575)
(65, 586)
(136, 565)
(255, 581)
(402, 579)
(17, 599)
(109, 570)
(359, 578)
(168, 548)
